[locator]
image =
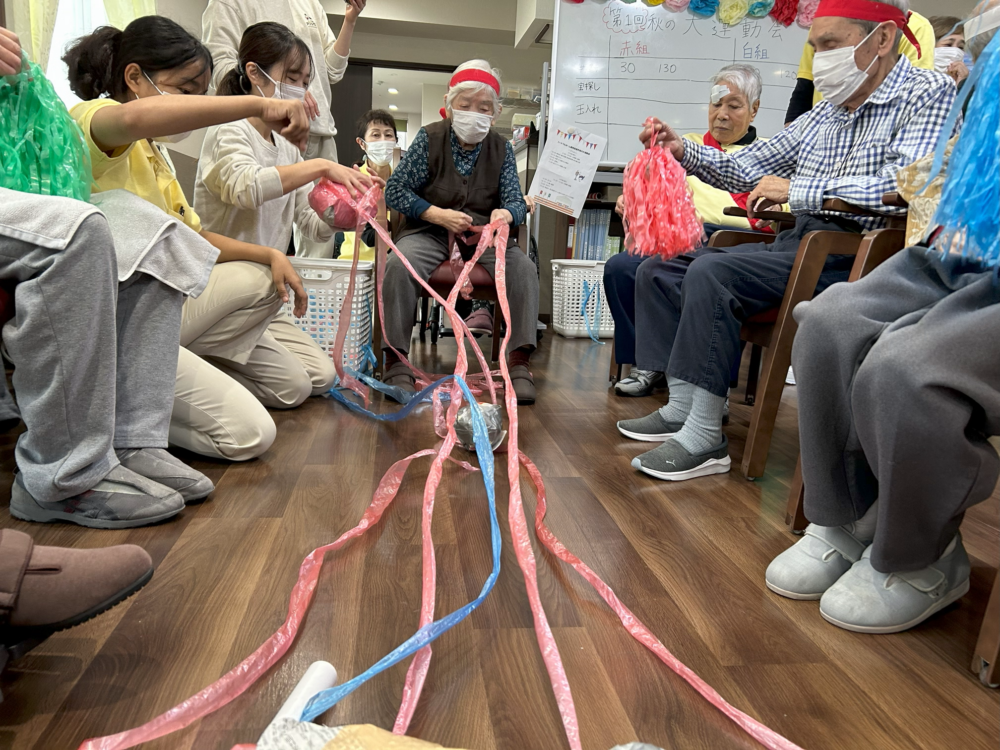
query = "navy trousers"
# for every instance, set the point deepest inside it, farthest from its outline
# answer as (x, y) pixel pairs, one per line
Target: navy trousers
(689, 310)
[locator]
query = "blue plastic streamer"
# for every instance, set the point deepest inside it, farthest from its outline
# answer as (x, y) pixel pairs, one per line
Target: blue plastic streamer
(971, 193)
(587, 291)
(326, 699)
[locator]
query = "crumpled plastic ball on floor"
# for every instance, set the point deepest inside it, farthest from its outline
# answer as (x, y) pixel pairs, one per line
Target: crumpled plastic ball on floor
(494, 426)
(337, 208)
(659, 211)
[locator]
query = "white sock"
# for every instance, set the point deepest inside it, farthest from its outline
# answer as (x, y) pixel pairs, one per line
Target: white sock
(703, 426)
(679, 405)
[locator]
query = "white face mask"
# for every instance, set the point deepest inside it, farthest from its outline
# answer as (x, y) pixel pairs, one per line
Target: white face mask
(379, 152)
(176, 137)
(945, 56)
(836, 74)
(282, 90)
(470, 127)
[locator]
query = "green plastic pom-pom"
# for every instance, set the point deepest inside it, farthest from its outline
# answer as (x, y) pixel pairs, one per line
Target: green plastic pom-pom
(42, 149)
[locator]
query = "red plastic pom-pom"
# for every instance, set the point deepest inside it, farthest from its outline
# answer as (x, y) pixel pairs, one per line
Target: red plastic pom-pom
(784, 11)
(337, 208)
(659, 211)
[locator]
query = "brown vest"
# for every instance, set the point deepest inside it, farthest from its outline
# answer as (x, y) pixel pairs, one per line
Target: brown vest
(477, 195)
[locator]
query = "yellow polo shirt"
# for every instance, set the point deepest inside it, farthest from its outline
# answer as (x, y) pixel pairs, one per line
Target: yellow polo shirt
(921, 29)
(347, 249)
(139, 168)
(711, 200)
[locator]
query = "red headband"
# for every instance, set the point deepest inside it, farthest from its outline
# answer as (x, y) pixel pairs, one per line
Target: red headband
(473, 74)
(868, 10)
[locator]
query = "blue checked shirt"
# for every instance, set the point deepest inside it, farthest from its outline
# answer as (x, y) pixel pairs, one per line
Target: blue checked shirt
(413, 173)
(832, 153)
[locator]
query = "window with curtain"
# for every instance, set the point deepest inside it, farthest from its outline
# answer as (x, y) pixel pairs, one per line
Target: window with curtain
(74, 18)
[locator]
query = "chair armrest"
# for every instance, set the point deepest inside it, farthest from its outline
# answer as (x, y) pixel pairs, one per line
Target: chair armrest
(734, 237)
(843, 207)
(895, 200)
(782, 217)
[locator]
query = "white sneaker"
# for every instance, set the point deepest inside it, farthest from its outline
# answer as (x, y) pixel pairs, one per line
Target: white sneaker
(867, 601)
(813, 564)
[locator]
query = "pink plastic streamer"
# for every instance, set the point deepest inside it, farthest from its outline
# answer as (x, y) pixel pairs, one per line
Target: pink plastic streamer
(807, 12)
(764, 735)
(235, 682)
(659, 212)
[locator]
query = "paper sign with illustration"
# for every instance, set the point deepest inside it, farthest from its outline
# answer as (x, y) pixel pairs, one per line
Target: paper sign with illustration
(566, 169)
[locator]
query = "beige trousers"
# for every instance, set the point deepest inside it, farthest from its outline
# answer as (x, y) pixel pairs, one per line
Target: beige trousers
(239, 354)
(320, 147)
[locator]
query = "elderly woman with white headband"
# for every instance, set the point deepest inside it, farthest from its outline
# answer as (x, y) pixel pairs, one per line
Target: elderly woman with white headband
(734, 100)
(459, 174)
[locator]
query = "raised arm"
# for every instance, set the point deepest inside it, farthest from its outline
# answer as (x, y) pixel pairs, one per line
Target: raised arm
(222, 27)
(337, 49)
(153, 116)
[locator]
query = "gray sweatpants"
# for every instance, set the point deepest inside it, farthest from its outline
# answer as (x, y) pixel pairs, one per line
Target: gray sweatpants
(899, 387)
(90, 375)
(426, 252)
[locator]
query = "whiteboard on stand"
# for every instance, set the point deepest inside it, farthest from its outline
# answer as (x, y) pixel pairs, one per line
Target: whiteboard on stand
(615, 64)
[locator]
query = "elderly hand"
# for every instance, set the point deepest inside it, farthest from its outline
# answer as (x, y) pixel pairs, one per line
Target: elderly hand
(771, 191)
(10, 53)
(530, 203)
(501, 214)
(353, 10)
(453, 221)
(620, 206)
(665, 136)
(958, 71)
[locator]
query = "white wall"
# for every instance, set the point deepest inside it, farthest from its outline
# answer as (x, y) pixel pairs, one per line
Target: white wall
(431, 100)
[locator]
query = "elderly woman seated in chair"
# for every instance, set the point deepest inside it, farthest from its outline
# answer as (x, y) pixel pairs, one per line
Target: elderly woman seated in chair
(734, 100)
(459, 174)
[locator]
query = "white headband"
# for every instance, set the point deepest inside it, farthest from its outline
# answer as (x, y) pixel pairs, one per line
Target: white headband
(718, 92)
(985, 21)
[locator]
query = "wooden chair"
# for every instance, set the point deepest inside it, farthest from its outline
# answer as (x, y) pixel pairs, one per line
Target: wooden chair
(441, 281)
(987, 653)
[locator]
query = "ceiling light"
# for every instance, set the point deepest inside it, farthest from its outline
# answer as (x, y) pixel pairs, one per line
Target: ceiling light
(393, 107)
(393, 91)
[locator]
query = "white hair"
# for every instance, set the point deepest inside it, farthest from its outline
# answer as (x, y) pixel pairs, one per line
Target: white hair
(746, 79)
(869, 26)
(475, 86)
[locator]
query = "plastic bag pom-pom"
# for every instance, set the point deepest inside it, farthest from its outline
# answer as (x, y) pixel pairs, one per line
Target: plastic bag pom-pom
(658, 207)
(784, 11)
(731, 12)
(654, 3)
(971, 193)
(676, 5)
(337, 208)
(705, 8)
(807, 12)
(42, 149)
(760, 8)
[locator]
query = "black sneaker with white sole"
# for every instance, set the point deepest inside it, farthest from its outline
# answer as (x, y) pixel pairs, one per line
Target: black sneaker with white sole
(672, 463)
(650, 429)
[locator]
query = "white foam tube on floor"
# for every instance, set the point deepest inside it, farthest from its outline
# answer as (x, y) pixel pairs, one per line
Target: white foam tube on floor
(321, 675)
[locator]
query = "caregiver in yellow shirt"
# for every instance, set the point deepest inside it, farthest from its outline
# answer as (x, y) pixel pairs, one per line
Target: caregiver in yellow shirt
(377, 138)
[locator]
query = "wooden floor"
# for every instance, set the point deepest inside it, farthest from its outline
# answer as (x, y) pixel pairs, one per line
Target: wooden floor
(688, 558)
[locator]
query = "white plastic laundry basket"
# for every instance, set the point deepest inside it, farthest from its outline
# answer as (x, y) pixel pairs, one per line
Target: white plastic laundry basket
(568, 295)
(326, 286)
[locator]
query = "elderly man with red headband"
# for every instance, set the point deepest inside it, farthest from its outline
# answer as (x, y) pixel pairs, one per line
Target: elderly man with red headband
(459, 174)
(879, 114)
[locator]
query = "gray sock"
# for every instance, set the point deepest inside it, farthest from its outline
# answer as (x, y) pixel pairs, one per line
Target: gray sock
(864, 527)
(679, 405)
(703, 426)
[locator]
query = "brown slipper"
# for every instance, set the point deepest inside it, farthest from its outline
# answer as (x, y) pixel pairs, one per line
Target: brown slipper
(47, 589)
(400, 376)
(524, 384)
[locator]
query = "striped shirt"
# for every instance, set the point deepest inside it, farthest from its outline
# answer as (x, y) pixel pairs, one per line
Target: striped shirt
(832, 153)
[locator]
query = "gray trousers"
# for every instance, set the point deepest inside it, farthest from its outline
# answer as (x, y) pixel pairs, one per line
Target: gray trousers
(898, 387)
(426, 251)
(90, 375)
